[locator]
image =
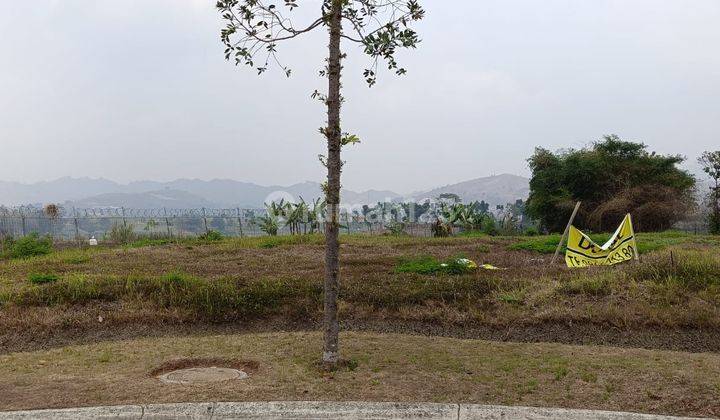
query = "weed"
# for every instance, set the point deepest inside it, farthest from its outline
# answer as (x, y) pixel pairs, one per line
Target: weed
(28, 246)
(588, 377)
(514, 297)
(212, 236)
(586, 284)
(76, 259)
(143, 242)
(560, 372)
(43, 278)
(122, 233)
(430, 265)
(646, 242)
(691, 270)
(420, 265)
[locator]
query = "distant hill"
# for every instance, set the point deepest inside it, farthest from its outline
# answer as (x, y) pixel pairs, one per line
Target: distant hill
(225, 193)
(167, 198)
(498, 189)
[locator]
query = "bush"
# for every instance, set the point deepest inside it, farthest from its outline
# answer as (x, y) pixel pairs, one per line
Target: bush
(531, 231)
(489, 227)
(212, 236)
(396, 229)
(28, 246)
(654, 189)
(440, 229)
(714, 224)
(122, 233)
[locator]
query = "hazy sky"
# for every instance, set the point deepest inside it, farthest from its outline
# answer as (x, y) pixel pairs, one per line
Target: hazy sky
(139, 89)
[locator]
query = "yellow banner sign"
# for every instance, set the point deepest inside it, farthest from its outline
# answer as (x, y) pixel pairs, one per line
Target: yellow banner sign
(583, 252)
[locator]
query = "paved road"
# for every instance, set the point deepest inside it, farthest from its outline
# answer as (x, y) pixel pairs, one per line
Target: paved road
(323, 410)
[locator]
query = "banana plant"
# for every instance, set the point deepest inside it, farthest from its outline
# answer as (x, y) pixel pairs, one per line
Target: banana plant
(275, 215)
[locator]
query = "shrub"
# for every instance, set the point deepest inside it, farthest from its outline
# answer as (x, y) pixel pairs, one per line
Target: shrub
(654, 189)
(396, 229)
(212, 236)
(28, 246)
(440, 229)
(43, 278)
(532, 231)
(489, 227)
(122, 233)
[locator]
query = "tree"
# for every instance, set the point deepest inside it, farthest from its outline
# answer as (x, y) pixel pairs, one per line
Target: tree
(253, 30)
(612, 178)
(710, 162)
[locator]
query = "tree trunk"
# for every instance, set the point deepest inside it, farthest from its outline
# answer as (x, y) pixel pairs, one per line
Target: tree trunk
(331, 352)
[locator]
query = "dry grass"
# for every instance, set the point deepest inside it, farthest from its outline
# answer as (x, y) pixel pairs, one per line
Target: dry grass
(251, 279)
(385, 367)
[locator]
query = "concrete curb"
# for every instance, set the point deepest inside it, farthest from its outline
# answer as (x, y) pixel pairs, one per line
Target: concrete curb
(324, 410)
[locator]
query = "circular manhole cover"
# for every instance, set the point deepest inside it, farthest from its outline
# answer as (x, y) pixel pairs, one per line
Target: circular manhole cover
(201, 375)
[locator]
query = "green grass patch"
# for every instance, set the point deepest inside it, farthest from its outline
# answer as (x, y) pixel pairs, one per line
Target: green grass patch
(408, 291)
(268, 242)
(144, 242)
(586, 284)
(512, 297)
(210, 298)
(76, 259)
(431, 265)
(690, 270)
(28, 246)
(647, 242)
(37, 278)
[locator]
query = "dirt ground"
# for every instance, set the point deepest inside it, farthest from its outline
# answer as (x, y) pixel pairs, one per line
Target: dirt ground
(382, 367)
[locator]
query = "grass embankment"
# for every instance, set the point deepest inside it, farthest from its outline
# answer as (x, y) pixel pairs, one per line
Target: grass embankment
(252, 279)
(384, 368)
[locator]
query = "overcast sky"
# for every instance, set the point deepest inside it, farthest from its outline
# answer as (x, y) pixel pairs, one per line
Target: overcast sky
(139, 89)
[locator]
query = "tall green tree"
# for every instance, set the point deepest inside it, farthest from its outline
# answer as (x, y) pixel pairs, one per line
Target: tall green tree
(710, 162)
(252, 35)
(612, 177)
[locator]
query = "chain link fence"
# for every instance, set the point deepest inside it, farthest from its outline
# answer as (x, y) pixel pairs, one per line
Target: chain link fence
(80, 224)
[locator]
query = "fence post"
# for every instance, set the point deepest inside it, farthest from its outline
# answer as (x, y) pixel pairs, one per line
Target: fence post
(123, 217)
(347, 220)
(239, 218)
(22, 219)
(77, 225)
(205, 221)
(167, 223)
(2, 229)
